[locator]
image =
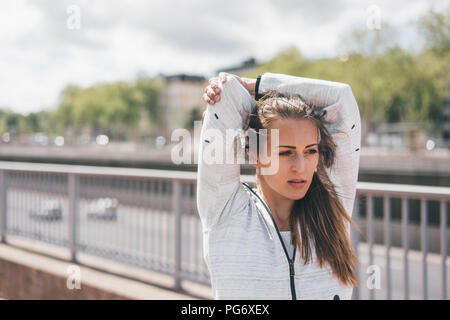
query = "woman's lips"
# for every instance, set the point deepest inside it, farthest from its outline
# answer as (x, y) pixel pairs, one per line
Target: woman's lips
(297, 184)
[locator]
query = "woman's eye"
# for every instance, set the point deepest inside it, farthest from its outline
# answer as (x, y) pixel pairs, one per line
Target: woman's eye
(286, 153)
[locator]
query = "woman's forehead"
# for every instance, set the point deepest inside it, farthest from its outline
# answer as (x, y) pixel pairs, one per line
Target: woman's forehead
(301, 132)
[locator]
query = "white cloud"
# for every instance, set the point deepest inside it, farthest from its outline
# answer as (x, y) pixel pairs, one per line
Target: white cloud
(117, 39)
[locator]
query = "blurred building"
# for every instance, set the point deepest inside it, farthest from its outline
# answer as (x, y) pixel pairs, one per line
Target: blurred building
(181, 94)
(244, 67)
(407, 136)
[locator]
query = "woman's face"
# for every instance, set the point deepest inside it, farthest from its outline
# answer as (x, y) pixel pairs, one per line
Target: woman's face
(298, 154)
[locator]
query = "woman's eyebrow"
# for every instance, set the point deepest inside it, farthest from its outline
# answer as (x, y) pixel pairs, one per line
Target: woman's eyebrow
(292, 147)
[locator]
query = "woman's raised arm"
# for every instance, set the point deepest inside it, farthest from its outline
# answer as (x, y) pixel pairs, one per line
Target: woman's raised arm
(218, 177)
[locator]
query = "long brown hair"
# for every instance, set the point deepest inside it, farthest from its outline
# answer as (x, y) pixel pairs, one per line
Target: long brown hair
(319, 213)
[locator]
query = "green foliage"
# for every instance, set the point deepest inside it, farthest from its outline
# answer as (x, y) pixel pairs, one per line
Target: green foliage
(15, 123)
(436, 28)
(389, 83)
(194, 115)
(114, 109)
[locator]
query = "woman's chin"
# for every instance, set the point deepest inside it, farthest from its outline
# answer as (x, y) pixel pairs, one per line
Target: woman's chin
(294, 195)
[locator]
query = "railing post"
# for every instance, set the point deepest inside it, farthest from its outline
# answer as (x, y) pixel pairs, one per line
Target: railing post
(387, 243)
(405, 242)
(74, 197)
(424, 240)
(3, 206)
(177, 206)
(444, 248)
(370, 235)
(355, 242)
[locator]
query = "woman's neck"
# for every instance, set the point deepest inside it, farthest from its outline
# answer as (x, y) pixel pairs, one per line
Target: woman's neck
(279, 206)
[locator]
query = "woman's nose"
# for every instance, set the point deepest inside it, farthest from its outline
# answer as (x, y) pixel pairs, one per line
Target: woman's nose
(299, 164)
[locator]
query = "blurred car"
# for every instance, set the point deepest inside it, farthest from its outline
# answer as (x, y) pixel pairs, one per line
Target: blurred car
(103, 208)
(47, 210)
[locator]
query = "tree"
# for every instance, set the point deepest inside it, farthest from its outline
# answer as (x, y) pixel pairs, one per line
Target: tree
(436, 28)
(114, 108)
(194, 115)
(389, 83)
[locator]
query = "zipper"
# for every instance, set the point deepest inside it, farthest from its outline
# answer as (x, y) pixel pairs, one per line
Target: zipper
(292, 274)
(290, 261)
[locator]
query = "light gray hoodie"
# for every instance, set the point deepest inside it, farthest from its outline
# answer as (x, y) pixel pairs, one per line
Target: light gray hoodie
(242, 247)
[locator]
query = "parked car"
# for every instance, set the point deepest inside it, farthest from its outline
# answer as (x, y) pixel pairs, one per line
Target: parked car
(103, 208)
(47, 210)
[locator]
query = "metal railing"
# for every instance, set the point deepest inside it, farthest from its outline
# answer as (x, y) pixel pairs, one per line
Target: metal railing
(405, 194)
(156, 225)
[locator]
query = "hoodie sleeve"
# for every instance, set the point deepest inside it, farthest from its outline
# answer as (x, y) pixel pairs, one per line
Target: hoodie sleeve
(220, 148)
(342, 110)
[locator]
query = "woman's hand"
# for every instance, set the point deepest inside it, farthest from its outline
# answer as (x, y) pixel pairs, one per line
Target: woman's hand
(212, 91)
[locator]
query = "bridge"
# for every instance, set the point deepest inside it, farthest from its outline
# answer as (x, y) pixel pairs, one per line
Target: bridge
(157, 228)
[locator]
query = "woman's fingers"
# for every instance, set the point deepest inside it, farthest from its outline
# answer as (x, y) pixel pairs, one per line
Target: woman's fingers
(213, 83)
(215, 86)
(223, 77)
(212, 92)
(207, 99)
(212, 95)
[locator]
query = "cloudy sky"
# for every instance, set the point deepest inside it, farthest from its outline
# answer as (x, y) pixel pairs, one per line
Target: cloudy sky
(42, 49)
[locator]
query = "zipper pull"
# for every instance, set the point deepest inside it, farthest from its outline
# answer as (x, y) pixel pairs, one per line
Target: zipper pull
(291, 268)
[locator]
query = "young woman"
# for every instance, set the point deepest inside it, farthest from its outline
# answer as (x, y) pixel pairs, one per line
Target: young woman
(288, 238)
